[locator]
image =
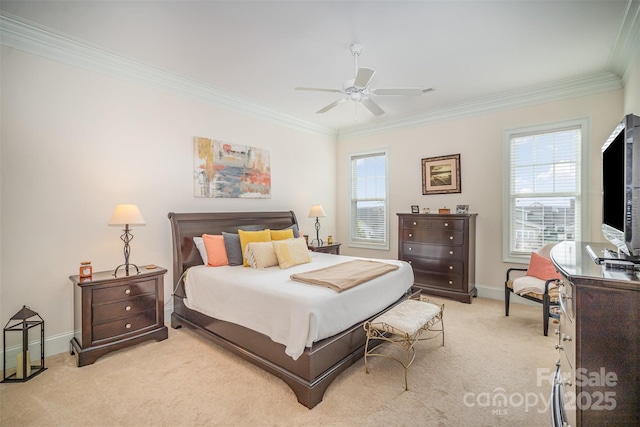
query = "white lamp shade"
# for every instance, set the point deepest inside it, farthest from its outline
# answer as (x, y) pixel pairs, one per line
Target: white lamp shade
(317, 212)
(126, 215)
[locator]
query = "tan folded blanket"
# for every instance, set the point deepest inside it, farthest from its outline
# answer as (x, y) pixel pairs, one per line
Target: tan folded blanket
(346, 275)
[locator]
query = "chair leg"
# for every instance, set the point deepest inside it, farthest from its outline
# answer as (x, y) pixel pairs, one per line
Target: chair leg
(507, 296)
(545, 314)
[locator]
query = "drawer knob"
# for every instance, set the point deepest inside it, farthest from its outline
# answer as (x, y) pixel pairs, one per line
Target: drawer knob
(415, 223)
(450, 252)
(410, 248)
(128, 308)
(446, 224)
(128, 326)
(451, 282)
(451, 267)
(450, 237)
(128, 291)
(409, 261)
(410, 234)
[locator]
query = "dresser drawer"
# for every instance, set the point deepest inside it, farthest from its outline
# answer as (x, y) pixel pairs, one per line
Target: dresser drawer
(437, 237)
(127, 325)
(122, 292)
(444, 281)
(433, 251)
(126, 308)
(436, 265)
(434, 224)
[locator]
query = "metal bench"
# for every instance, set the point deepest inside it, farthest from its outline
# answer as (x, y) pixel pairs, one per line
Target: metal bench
(403, 326)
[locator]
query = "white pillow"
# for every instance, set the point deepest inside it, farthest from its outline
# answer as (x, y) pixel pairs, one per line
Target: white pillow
(203, 251)
(260, 255)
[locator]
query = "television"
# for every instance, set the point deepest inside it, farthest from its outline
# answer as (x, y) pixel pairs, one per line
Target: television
(621, 188)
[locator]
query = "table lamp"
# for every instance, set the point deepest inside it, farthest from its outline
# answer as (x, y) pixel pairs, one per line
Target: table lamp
(317, 212)
(126, 215)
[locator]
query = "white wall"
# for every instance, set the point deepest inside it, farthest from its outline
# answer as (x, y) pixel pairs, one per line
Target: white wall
(632, 88)
(75, 144)
(479, 140)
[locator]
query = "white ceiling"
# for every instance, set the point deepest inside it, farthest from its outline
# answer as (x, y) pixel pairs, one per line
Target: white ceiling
(468, 51)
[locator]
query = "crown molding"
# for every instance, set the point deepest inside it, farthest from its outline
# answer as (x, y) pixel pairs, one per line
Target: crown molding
(33, 38)
(627, 43)
(557, 91)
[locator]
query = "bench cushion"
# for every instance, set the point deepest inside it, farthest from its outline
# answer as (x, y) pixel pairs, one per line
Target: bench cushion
(408, 316)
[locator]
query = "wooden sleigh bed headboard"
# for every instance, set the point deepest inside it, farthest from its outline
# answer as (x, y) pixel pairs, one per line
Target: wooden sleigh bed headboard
(186, 226)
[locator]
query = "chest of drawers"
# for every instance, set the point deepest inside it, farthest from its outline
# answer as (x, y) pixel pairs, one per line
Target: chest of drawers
(111, 313)
(441, 250)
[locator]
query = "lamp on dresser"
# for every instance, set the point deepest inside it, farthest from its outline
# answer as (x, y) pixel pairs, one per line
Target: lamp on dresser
(126, 215)
(317, 212)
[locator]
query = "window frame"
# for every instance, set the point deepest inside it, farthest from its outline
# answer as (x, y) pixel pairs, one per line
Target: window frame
(350, 202)
(582, 178)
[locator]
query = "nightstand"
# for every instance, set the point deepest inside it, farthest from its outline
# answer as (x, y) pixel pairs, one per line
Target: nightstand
(111, 313)
(327, 249)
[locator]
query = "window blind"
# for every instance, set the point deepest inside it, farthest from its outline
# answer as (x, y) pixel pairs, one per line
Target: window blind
(369, 199)
(545, 202)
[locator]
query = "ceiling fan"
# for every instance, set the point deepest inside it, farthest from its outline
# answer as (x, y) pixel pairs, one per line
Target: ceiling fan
(358, 90)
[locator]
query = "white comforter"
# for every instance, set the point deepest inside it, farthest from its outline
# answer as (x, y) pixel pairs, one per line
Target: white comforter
(291, 313)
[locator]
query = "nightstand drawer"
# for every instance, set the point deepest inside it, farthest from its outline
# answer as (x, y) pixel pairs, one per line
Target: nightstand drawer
(124, 326)
(120, 309)
(118, 293)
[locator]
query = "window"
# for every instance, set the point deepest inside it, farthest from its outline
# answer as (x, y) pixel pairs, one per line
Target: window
(369, 223)
(544, 200)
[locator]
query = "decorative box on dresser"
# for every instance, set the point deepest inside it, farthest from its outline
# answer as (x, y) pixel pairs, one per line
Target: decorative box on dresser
(597, 380)
(442, 251)
(111, 313)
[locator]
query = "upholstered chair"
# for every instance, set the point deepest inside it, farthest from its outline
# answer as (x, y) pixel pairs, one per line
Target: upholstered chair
(538, 283)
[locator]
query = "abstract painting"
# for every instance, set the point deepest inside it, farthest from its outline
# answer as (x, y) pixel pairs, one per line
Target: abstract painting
(222, 169)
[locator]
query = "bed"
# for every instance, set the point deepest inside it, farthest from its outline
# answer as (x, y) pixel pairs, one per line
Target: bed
(311, 371)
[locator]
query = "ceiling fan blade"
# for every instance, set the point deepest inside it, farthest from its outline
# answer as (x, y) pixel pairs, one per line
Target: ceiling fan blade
(363, 77)
(317, 89)
(406, 91)
(330, 106)
(427, 90)
(372, 106)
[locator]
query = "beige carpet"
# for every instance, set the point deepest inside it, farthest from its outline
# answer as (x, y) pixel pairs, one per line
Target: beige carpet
(188, 381)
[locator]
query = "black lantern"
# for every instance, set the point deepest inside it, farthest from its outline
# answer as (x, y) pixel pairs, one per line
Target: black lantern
(23, 322)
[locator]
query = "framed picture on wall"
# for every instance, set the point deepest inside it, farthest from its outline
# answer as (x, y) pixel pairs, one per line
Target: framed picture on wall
(441, 175)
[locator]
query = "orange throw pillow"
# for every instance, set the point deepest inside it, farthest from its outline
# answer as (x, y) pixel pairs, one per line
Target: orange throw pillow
(542, 268)
(216, 251)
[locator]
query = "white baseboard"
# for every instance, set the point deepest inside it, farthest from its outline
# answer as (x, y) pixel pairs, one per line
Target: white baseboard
(59, 343)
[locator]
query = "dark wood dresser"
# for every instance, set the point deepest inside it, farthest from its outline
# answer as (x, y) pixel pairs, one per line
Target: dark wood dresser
(598, 371)
(442, 251)
(111, 313)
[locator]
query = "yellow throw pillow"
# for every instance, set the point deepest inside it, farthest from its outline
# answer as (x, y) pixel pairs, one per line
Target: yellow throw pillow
(252, 236)
(291, 252)
(282, 234)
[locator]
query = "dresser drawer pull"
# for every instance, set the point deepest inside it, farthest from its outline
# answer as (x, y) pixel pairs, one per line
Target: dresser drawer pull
(446, 224)
(451, 267)
(128, 326)
(410, 234)
(450, 252)
(128, 308)
(450, 237)
(128, 291)
(451, 282)
(415, 223)
(410, 248)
